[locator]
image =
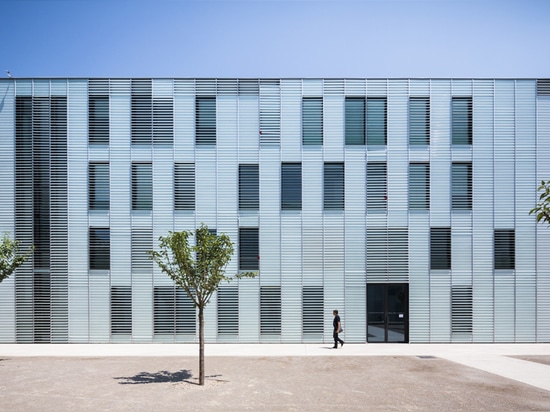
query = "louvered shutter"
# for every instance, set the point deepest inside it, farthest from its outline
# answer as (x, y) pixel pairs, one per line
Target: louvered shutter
(100, 249)
(387, 255)
(249, 249)
(228, 310)
(312, 310)
(121, 310)
(377, 186)
(142, 111)
(355, 120)
(377, 121)
(312, 121)
(419, 121)
(461, 309)
(462, 120)
(98, 186)
(249, 187)
(163, 120)
(504, 249)
(419, 186)
(270, 310)
(333, 197)
(184, 186)
(440, 248)
(462, 186)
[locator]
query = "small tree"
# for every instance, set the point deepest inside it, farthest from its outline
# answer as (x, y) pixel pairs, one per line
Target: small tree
(10, 256)
(542, 209)
(197, 269)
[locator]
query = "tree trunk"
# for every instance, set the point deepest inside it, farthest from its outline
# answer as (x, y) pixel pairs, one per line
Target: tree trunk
(201, 346)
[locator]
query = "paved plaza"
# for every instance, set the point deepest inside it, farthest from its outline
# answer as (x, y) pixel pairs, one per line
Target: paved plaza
(273, 377)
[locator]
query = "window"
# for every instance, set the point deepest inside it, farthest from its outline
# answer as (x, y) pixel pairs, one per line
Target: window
(462, 186)
(334, 186)
(419, 121)
(174, 311)
(163, 120)
(312, 310)
(142, 111)
(249, 251)
(184, 186)
(142, 186)
(355, 120)
(100, 249)
(291, 186)
(376, 121)
(228, 310)
(312, 121)
(121, 310)
(98, 119)
(377, 186)
(270, 310)
(205, 120)
(249, 187)
(461, 309)
(142, 241)
(440, 248)
(462, 120)
(98, 187)
(505, 249)
(419, 186)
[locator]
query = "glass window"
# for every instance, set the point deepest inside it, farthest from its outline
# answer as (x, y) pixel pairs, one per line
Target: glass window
(377, 186)
(174, 311)
(142, 186)
(98, 187)
(228, 310)
(249, 249)
(419, 121)
(312, 120)
(505, 249)
(355, 120)
(98, 119)
(291, 186)
(270, 310)
(121, 310)
(334, 186)
(376, 121)
(142, 111)
(462, 186)
(312, 310)
(184, 186)
(440, 248)
(419, 186)
(205, 120)
(462, 120)
(249, 187)
(100, 249)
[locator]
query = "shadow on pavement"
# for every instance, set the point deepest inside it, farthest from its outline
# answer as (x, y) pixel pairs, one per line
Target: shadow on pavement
(156, 377)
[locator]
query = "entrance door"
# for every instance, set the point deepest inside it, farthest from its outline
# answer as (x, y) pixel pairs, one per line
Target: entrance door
(388, 312)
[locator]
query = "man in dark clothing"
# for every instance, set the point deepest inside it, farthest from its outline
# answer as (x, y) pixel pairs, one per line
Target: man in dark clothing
(337, 329)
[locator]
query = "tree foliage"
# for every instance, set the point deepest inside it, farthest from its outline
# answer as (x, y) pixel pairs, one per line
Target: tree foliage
(198, 269)
(10, 256)
(542, 209)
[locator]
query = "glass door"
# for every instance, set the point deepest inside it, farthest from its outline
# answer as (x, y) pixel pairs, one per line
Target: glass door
(387, 312)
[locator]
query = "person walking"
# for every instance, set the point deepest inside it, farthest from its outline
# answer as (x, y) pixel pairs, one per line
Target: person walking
(336, 323)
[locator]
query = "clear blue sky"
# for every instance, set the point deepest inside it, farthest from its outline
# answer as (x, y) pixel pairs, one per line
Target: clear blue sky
(275, 38)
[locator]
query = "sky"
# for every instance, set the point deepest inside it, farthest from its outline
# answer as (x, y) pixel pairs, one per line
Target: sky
(276, 38)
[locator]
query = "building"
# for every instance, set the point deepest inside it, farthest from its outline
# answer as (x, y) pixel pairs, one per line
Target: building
(404, 203)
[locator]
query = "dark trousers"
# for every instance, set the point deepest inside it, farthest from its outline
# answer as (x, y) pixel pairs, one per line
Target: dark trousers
(336, 339)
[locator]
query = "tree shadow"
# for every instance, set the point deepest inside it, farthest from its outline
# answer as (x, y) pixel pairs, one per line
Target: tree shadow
(156, 377)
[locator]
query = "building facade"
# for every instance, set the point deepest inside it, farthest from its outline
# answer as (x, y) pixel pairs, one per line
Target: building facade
(403, 203)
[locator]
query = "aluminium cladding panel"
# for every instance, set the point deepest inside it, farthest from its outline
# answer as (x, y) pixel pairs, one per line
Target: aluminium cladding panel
(291, 276)
(248, 128)
(504, 153)
(440, 153)
(227, 154)
(333, 128)
(461, 256)
(206, 185)
(419, 277)
(543, 232)
(77, 197)
(526, 182)
(7, 199)
(398, 155)
(291, 120)
(482, 211)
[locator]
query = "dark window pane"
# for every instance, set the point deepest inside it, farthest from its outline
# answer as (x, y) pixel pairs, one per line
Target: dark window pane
(334, 186)
(419, 186)
(312, 121)
(462, 186)
(505, 249)
(205, 120)
(249, 187)
(462, 120)
(249, 250)
(98, 198)
(270, 310)
(376, 121)
(98, 119)
(419, 121)
(355, 120)
(440, 248)
(142, 186)
(100, 249)
(291, 186)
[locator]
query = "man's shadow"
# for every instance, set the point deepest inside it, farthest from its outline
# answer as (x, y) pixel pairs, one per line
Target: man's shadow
(156, 377)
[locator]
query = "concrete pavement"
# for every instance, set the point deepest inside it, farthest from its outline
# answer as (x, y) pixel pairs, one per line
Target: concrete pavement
(505, 360)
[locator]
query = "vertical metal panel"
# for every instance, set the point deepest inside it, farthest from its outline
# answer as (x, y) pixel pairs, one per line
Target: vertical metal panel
(291, 276)
(248, 128)
(184, 120)
(419, 275)
(142, 284)
(482, 211)
(461, 261)
(206, 186)
(525, 158)
(7, 198)
(333, 128)
(270, 112)
(291, 120)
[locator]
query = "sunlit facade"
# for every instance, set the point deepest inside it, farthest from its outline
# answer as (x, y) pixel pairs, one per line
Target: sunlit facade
(403, 203)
